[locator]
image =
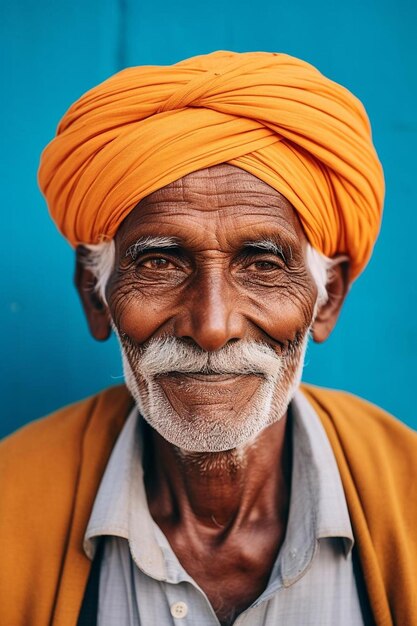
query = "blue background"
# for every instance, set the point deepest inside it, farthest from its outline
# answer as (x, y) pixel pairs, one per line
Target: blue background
(57, 50)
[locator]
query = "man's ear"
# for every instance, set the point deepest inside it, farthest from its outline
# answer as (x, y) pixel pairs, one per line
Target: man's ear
(337, 288)
(96, 311)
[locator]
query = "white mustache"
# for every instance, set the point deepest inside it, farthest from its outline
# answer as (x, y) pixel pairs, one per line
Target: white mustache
(169, 354)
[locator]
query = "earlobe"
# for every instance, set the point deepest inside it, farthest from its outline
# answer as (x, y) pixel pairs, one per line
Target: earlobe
(337, 288)
(96, 311)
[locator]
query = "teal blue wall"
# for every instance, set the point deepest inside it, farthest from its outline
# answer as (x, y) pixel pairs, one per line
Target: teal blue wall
(57, 50)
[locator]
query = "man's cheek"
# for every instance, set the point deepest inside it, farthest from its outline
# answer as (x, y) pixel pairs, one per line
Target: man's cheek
(137, 317)
(286, 321)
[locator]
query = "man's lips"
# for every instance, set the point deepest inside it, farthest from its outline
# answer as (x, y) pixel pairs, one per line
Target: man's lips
(197, 393)
(207, 378)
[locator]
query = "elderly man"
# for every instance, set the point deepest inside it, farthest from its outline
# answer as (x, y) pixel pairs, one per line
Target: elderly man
(219, 209)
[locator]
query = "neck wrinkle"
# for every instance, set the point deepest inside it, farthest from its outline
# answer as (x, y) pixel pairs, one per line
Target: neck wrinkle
(221, 491)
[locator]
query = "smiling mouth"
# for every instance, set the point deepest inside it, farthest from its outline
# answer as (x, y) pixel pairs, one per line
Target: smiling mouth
(194, 393)
(209, 378)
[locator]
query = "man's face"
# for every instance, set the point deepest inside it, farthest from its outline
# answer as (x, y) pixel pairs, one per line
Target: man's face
(212, 301)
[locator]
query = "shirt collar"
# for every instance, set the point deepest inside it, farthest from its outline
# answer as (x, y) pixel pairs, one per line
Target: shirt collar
(121, 508)
(317, 503)
(318, 508)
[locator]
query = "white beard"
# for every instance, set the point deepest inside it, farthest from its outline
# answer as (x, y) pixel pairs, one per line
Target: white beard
(208, 429)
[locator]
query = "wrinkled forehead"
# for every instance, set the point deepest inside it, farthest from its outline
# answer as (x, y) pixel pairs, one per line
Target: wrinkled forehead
(220, 185)
(223, 196)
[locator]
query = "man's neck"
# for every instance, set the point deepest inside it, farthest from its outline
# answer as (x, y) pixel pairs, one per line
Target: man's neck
(222, 491)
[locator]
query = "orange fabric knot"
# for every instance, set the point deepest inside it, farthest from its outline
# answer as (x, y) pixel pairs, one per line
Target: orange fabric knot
(270, 114)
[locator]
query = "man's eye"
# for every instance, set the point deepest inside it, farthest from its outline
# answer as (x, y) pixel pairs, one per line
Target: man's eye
(265, 265)
(156, 263)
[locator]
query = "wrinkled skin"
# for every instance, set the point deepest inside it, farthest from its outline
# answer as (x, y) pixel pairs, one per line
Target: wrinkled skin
(209, 292)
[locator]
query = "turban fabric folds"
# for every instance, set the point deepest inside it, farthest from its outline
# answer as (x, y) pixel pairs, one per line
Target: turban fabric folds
(272, 115)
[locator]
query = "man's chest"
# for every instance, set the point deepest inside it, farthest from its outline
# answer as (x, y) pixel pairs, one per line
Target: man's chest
(232, 574)
(324, 593)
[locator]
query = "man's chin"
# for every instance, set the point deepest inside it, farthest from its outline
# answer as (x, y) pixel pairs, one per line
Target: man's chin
(207, 420)
(198, 413)
(208, 434)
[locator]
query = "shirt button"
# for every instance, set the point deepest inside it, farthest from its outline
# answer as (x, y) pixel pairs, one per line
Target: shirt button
(179, 610)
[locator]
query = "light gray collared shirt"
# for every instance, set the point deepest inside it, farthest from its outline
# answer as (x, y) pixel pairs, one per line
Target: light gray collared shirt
(142, 583)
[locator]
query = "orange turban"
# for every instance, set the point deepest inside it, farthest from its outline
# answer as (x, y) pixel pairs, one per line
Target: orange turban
(270, 114)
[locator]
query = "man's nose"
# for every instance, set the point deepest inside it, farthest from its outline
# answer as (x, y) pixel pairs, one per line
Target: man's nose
(208, 315)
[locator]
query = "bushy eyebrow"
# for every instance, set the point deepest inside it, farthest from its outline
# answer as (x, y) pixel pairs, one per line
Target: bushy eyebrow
(265, 244)
(150, 243)
(272, 246)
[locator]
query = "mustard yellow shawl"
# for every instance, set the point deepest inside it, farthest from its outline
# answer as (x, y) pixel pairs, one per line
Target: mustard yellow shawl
(50, 472)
